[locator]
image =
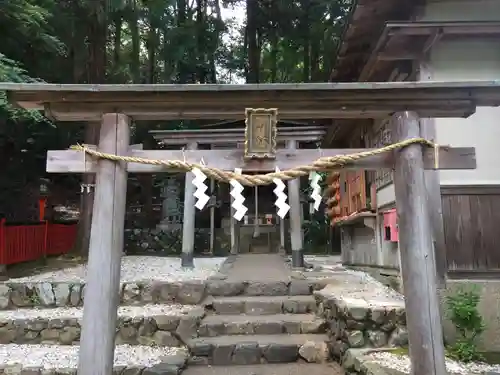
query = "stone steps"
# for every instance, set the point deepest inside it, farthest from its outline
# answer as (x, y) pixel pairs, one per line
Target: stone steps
(268, 369)
(63, 359)
(218, 325)
(257, 349)
(222, 287)
(261, 305)
(159, 325)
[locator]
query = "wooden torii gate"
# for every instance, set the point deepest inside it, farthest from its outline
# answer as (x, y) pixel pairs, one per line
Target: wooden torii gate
(116, 105)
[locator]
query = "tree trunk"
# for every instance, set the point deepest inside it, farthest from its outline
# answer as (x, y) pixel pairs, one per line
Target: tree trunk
(274, 43)
(117, 42)
(136, 44)
(96, 74)
(253, 46)
(182, 67)
(306, 61)
(315, 61)
(200, 41)
(219, 27)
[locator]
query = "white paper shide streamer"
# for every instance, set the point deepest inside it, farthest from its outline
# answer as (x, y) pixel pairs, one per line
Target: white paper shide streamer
(281, 197)
(201, 187)
(238, 199)
(314, 179)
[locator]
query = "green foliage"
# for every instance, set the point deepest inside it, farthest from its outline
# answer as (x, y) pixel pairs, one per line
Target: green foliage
(155, 41)
(464, 314)
(316, 234)
(316, 228)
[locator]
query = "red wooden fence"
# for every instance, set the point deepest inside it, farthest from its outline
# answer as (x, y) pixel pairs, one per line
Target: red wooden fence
(22, 243)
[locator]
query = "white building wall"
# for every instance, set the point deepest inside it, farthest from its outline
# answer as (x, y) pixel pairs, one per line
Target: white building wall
(464, 60)
(460, 10)
(467, 60)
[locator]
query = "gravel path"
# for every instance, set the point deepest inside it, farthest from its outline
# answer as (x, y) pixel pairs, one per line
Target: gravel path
(55, 356)
(258, 267)
(402, 363)
(138, 268)
(351, 285)
(77, 312)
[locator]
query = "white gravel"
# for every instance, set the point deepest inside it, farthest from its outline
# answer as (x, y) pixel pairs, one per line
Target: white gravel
(137, 269)
(65, 356)
(352, 286)
(402, 363)
(77, 312)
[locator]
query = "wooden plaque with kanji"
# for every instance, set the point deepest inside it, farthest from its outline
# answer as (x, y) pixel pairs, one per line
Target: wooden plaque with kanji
(260, 133)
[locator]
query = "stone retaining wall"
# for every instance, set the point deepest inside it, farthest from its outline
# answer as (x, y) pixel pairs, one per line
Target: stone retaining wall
(165, 330)
(61, 294)
(353, 323)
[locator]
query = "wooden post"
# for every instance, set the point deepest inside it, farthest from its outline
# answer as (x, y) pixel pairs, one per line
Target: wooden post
(433, 185)
(232, 226)
(235, 229)
(282, 234)
(295, 217)
(102, 292)
(212, 216)
(188, 223)
(417, 257)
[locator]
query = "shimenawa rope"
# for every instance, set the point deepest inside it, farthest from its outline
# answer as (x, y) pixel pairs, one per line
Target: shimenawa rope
(320, 165)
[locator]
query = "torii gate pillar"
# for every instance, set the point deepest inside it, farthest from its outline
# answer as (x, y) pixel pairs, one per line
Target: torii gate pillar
(188, 221)
(418, 264)
(102, 290)
(295, 217)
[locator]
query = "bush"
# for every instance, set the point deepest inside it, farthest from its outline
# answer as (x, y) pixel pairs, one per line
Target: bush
(463, 312)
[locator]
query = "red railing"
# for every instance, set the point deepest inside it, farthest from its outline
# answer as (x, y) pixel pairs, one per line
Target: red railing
(22, 243)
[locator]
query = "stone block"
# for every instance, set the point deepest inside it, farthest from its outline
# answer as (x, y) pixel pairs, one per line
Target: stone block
(267, 289)
(355, 339)
(313, 326)
(268, 328)
(224, 307)
(225, 288)
(263, 307)
(5, 291)
(131, 293)
(190, 293)
(200, 349)
(299, 288)
(314, 352)
(246, 354)
(398, 338)
(163, 369)
(222, 354)
(296, 306)
(378, 339)
(167, 322)
(75, 295)
(292, 327)
(281, 353)
(188, 328)
(163, 338)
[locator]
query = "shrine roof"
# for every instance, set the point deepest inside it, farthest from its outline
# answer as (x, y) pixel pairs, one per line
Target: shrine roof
(365, 23)
(228, 102)
(374, 25)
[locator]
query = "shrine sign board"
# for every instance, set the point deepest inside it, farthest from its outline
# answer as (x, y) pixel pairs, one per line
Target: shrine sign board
(260, 133)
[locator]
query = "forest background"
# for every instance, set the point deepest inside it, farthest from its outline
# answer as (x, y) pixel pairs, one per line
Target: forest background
(143, 41)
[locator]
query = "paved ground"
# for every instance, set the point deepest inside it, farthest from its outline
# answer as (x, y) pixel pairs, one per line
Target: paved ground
(268, 369)
(259, 267)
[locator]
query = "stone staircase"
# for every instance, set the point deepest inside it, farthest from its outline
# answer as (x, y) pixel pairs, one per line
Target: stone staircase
(269, 323)
(253, 317)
